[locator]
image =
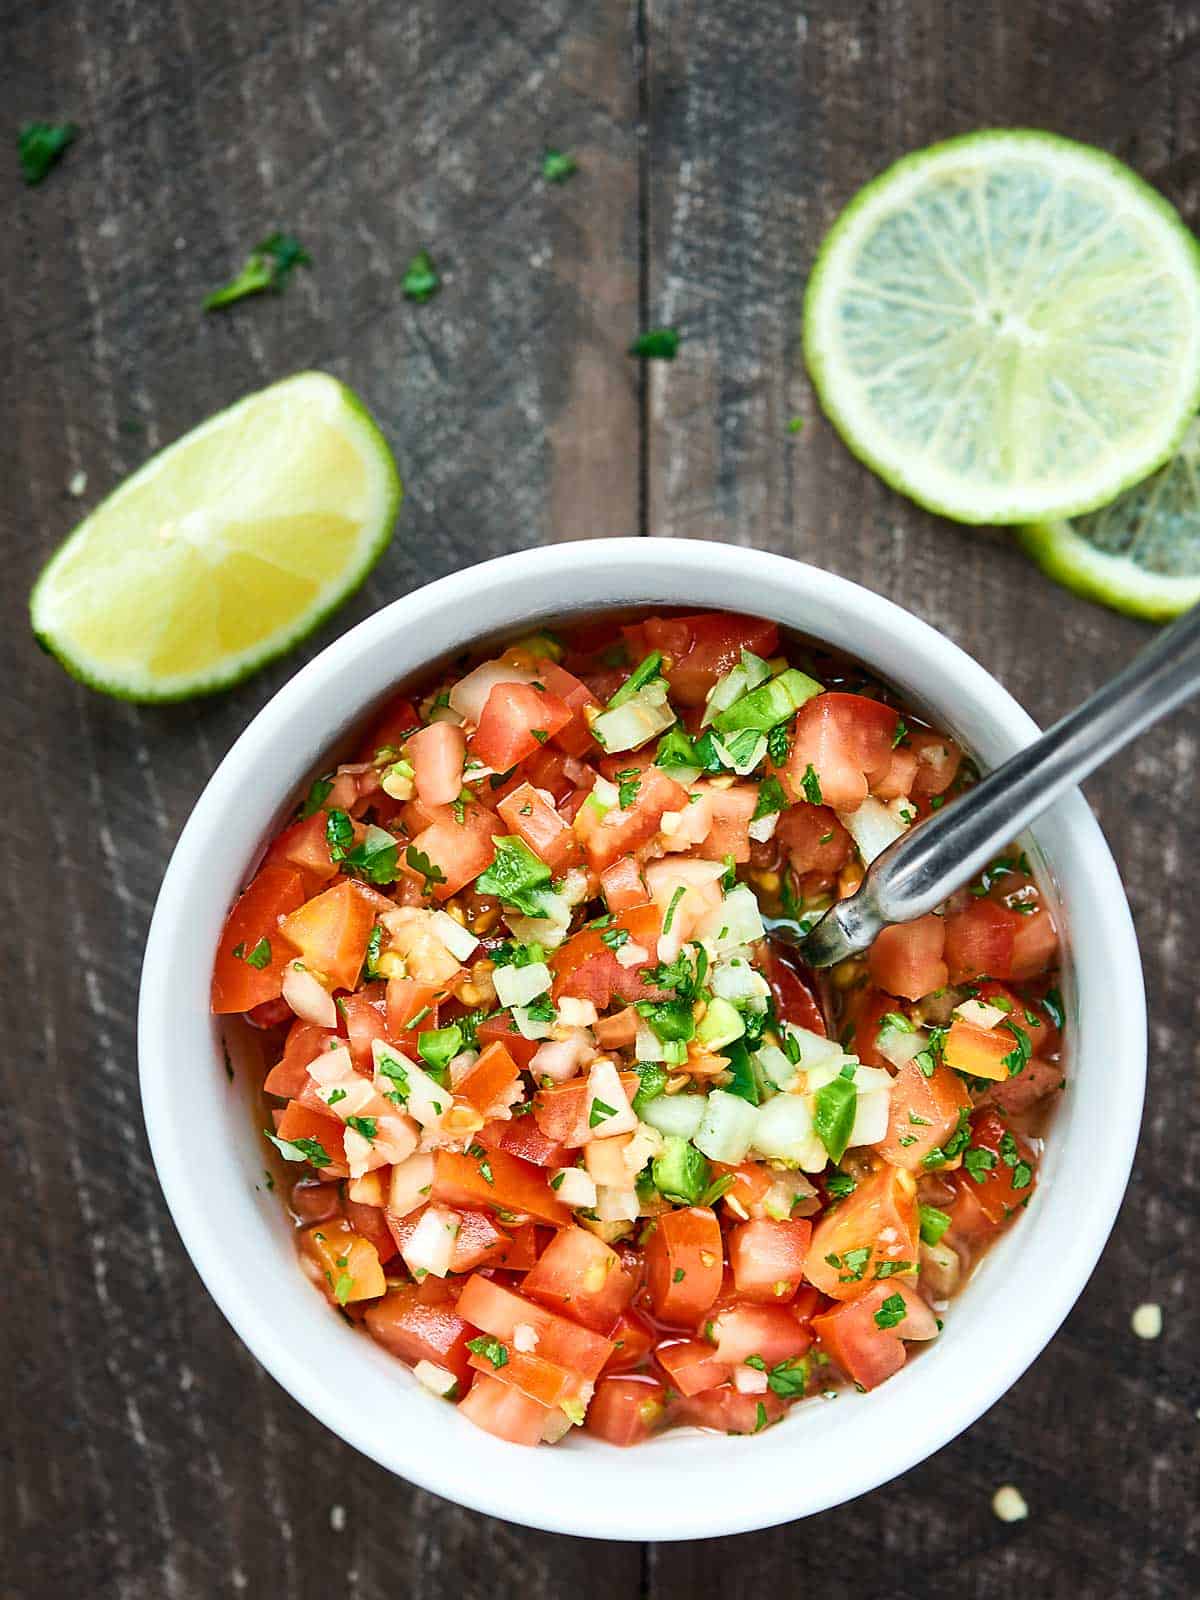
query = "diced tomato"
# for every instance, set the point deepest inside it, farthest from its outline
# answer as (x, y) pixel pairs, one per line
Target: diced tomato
(1030, 1011)
(370, 1223)
(546, 770)
(238, 983)
(814, 840)
(495, 1179)
(968, 1221)
(501, 1409)
(490, 1080)
(501, 1026)
(906, 959)
(521, 1136)
(500, 1311)
(770, 1332)
(795, 999)
(732, 812)
(606, 840)
(938, 759)
(396, 719)
(586, 967)
(583, 1278)
(304, 847)
(865, 1352)
(1003, 1184)
(768, 1258)
(979, 941)
(618, 1030)
(700, 648)
(692, 1365)
(633, 1339)
(314, 1201)
(626, 1410)
(304, 1043)
(923, 1113)
(561, 1109)
(623, 886)
(513, 718)
(982, 1052)
(865, 1011)
(364, 1015)
(347, 1263)
(331, 932)
(728, 1411)
(544, 1381)
(411, 1009)
(576, 736)
(897, 782)
(684, 1265)
(456, 851)
(422, 1324)
(437, 753)
(1035, 945)
(298, 1122)
(1038, 1079)
(525, 813)
(880, 1218)
(847, 741)
(478, 1242)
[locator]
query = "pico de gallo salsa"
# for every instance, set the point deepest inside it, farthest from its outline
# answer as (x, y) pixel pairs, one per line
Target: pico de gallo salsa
(575, 1140)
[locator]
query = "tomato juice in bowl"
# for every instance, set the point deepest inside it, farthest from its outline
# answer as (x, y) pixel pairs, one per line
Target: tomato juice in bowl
(1024, 1287)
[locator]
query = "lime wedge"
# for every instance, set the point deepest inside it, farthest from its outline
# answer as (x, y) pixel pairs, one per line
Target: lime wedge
(1141, 554)
(1007, 327)
(225, 548)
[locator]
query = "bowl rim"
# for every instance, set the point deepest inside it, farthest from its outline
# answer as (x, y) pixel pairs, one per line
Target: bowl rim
(502, 1488)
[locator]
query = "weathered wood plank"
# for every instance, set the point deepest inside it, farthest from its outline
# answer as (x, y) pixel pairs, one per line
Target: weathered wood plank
(145, 1455)
(757, 135)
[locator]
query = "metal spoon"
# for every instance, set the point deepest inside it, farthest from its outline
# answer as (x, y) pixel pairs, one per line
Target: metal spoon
(917, 872)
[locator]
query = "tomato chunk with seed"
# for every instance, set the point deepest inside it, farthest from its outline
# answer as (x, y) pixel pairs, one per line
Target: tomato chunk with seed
(517, 720)
(906, 959)
(251, 955)
(330, 933)
(684, 1265)
(871, 1231)
(488, 1305)
(865, 1338)
(582, 1277)
(923, 1113)
(526, 813)
(768, 1258)
(501, 1409)
(626, 1410)
(494, 1178)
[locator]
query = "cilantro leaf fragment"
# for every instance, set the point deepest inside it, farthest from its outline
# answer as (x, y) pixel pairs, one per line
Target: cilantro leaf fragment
(421, 280)
(429, 870)
(657, 344)
(771, 798)
(558, 165)
(41, 145)
(892, 1312)
(811, 784)
(268, 267)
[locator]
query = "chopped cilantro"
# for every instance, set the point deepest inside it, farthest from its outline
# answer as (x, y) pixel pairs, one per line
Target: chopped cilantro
(771, 799)
(892, 1312)
(933, 1223)
(600, 1112)
(421, 280)
(310, 1150)
(614, 938)
(315, 798)
(516, 876)
(840, 1185)
(979, 1163)
(268, 266)
(367, 1127)
(811, 784)
(779, 741)
(429, 870)
(485, 1345)
(670, 916)
(41, 145)
(789, 1378)
(260, 956)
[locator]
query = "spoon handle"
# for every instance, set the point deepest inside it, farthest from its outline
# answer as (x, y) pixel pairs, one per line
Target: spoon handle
(920, 870)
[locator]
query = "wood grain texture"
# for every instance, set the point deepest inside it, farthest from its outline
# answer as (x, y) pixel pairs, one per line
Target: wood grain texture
(757, 136)
(145, 1455)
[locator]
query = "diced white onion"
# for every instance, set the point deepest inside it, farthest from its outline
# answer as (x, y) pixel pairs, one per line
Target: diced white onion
(815, 1050)
(790, 1195)
(576, 1188)
(783, 1131)
(308, 1000)
(461, 1065)
(517, 986)
(750, 671)
(332, 1067)
(350, 1098)
(647, 1045)
(632, 955)
(436, 1379)
(763, 828)
(900, 1046)
(525, 1337)
(531, 1027)
(738, 980)
(458, 940)
(980, 1014)
(749, 1380)
(411, 1182)
(573, 1013)
(736, 921)
(606, 795)
(646, 1143)
(427, 1100)
(678, 1114)
(561, 1059)
(550, 930)
(432, 1243)
(871, 1117)
(748, 761)
(377, 839)
(604, 1085)
(873, 828)
(727, 1128)
(470, 694)
(633, 723)
(775, 1066)
(616, 1205)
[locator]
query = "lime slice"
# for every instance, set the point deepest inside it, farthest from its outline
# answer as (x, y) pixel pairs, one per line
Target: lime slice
(1007, 327)
(224, 549)
(1141, 554)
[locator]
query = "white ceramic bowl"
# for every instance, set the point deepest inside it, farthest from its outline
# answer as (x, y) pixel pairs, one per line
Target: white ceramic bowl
(208, 1149)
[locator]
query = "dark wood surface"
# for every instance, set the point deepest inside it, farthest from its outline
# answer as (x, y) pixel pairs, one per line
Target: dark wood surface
(145, 1455)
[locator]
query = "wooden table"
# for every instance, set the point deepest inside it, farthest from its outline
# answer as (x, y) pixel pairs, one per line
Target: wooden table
(146, 1455)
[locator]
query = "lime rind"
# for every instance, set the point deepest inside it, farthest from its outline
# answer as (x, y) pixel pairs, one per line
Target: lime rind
(254, 438)
(1141, 553)
(1095, 289)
